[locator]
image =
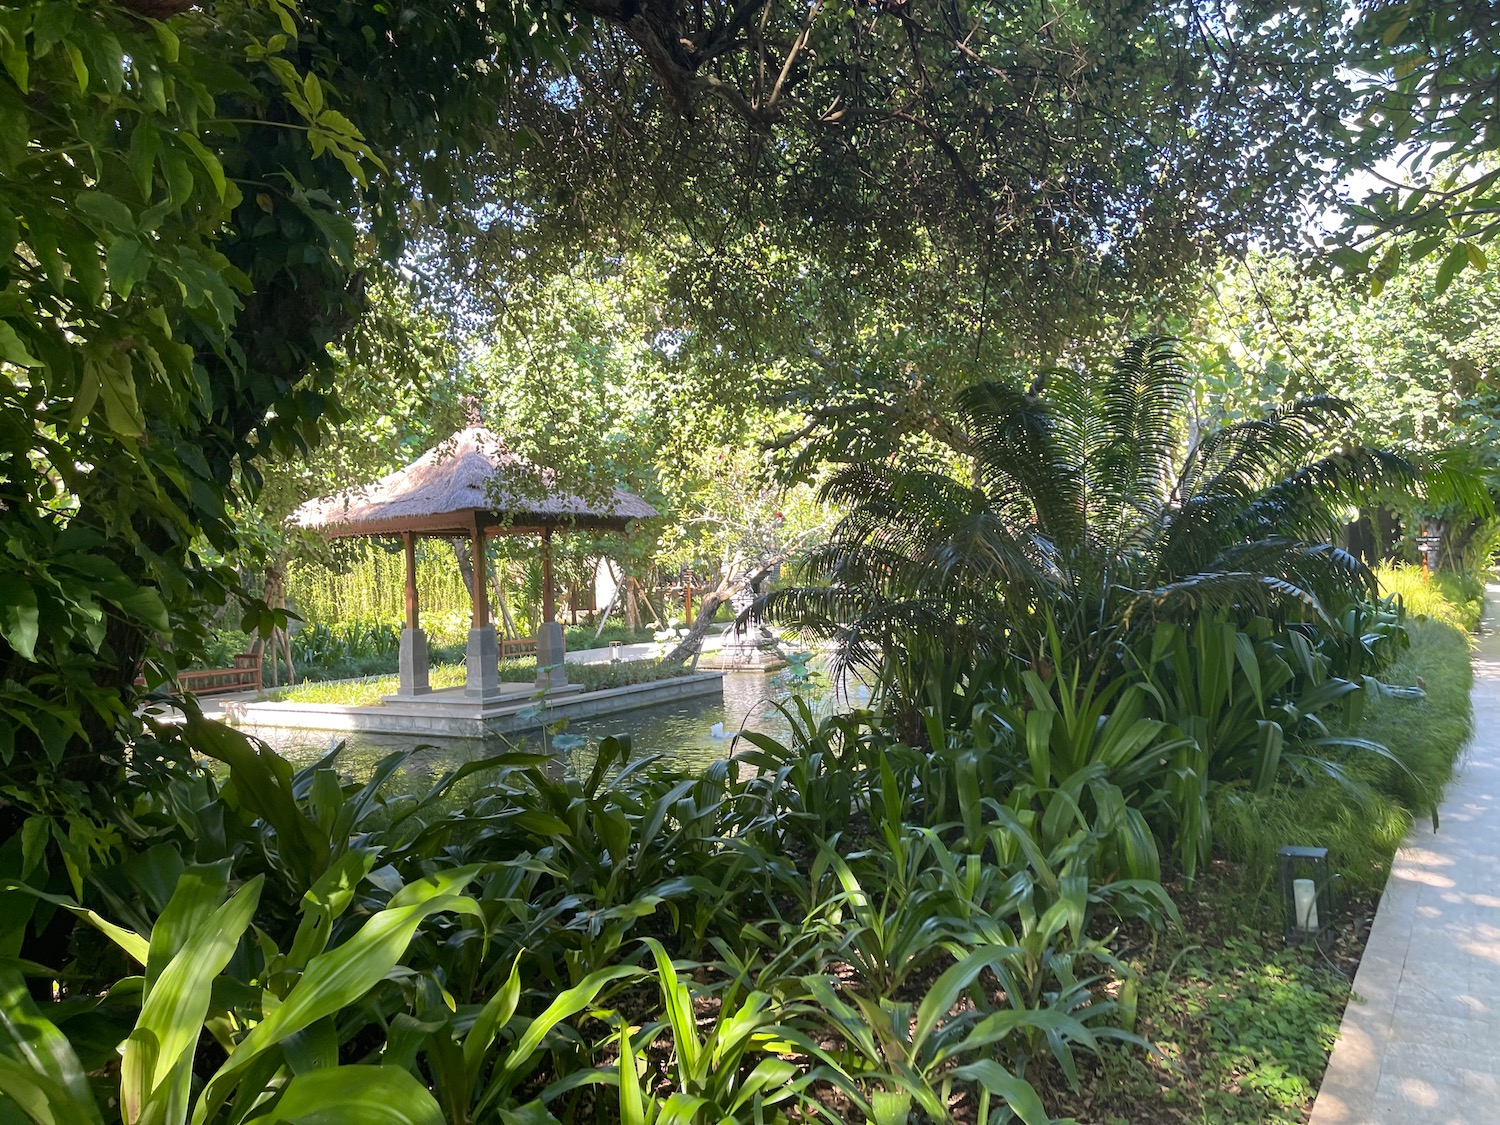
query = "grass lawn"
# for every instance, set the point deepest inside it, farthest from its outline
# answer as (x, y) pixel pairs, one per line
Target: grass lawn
(369, 692)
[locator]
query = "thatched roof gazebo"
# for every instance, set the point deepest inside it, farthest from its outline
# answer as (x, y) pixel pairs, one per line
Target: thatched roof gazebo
(467, 487)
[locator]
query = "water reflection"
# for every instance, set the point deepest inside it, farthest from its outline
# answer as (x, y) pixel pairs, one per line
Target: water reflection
(682, 733)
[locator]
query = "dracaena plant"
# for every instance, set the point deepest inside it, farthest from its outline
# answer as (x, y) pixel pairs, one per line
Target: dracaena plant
(277, 1030)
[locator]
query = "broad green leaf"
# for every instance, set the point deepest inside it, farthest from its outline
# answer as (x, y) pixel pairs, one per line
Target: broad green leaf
(20, 619)
(1017, 1093)
(80, 68)
(42, 1100)
(137, 947)
(495, 1015)
(329, 897)
(566, 1004)
(127, 264)
(209, 161)
(13, 350)
(106, 208)
(632, 1098)
(199, 893)
(1456, 259)
(312, 90)
(353, 1095)
(117, 388)
(29, 1036)
(161, 1046)
(334, 980)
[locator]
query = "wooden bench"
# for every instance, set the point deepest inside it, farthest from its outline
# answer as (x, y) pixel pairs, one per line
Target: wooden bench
(510, 648)
(244, 676)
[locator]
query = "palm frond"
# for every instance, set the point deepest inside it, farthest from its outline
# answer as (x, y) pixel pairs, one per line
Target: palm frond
(1458, 478)
(1141, 405)
(1017, 452)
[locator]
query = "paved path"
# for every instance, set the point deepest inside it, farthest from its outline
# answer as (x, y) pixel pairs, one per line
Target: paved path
(1420, 1044)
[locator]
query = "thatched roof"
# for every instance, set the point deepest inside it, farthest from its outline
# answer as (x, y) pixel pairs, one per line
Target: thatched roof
(461, 481)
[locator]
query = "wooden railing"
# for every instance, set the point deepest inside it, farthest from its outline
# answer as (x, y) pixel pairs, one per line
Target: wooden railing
(244, 676)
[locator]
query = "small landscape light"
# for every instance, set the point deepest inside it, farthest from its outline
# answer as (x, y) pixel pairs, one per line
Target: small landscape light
(1306, 893)
(614, 652)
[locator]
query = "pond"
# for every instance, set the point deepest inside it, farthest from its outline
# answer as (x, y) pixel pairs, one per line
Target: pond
(688, 734)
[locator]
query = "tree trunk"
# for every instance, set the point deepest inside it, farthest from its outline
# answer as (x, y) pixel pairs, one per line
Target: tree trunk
(504, 607)
(708, 605)
(1359, 539)
(614, 599)
(632, 607)
(465, 566)
(1387, 532)
(655, 613)
(731, 579)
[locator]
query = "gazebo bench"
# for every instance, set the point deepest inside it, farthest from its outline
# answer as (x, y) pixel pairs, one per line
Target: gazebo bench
(245, 675)
(510, 648)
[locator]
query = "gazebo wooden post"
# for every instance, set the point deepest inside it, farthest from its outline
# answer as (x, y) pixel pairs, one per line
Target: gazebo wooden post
(480, 592)
(413, 678)
(551, 652)
(549, 591)
(482, 660)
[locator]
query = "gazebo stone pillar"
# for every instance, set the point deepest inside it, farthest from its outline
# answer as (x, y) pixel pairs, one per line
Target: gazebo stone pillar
(551, 669)
(482, 660)
(413, 678)
(413, 664)
(482, 664)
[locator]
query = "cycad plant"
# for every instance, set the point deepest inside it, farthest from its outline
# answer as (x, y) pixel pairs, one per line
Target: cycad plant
(1071, 506)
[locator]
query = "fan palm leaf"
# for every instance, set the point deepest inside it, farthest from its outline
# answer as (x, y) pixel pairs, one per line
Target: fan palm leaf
(1077, 507)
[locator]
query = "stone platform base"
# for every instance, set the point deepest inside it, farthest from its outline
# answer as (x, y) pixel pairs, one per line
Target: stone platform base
(449, 714)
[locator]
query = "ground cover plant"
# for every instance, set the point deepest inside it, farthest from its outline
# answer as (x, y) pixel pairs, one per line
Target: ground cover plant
(1244, 1026)
(553, 935)
(841, 927)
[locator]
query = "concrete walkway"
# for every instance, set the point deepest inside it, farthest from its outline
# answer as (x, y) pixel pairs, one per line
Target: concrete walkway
(1420, 1041)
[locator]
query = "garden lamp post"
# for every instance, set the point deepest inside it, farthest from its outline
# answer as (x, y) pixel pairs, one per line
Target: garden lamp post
(1306, 893)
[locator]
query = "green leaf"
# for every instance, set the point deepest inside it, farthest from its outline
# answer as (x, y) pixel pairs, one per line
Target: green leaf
(312, 90)
(137, 947)
(1017, 1093)
(565, 1005)
(106, 208)
(39, 1098)
(20, 621)
(12, 350)
(16, 61)
(209, 161)
(354, 1095)
(127, 264)
(25, 1033)
(1456, 259)
(80, 68)
(121, 408)
(338, 978)
(495, 1015)
(159, 1052)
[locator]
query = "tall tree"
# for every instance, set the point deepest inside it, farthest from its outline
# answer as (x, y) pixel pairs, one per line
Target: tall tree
(1430, 95)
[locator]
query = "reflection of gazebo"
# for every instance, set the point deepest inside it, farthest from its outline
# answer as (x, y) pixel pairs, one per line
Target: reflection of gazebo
(459, 490)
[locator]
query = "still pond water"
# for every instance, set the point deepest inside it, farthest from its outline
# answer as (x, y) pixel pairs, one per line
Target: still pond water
(688, 734)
